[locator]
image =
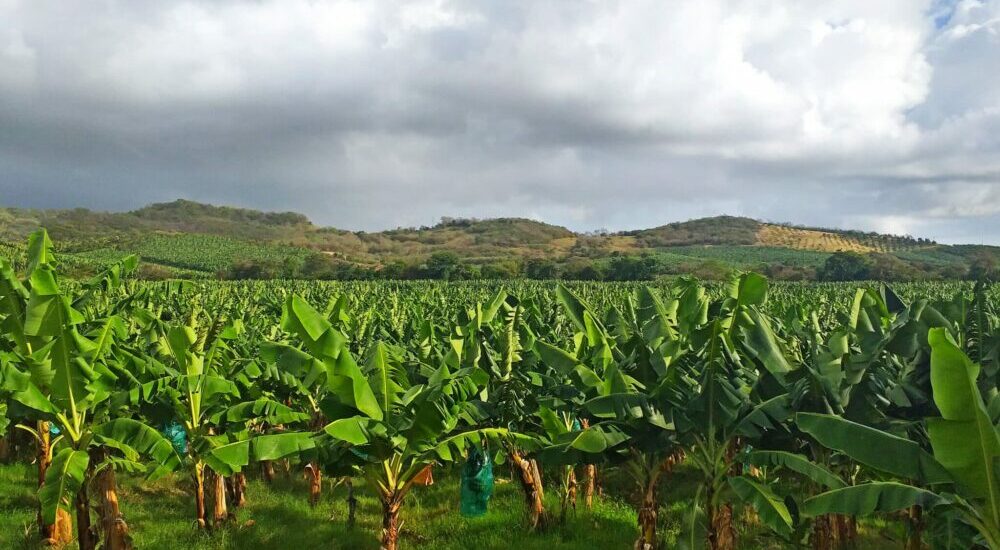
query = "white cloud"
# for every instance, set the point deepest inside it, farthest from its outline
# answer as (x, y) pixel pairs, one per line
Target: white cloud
(369, 114)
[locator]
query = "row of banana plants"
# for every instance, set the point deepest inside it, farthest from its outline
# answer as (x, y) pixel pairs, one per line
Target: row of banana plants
(882, 413)
(814, 413)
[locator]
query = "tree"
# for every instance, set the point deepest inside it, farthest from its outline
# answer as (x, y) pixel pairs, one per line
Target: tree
(983, 267)
(734, 391)
(538, 268)
(292, 266)
(252, 269)
(845, 266)
(886, 267)
(501, 270)
(392, 270)
(632, 268)
(442, 265)
(582, 270)
(317, 266)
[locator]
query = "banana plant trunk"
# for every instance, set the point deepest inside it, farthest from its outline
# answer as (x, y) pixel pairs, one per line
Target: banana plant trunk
(267, 468)
(313, 471)
(6, 446)
(589, 482)
(199, 494)
(915, 528)
(352, 503)
(647, 516)
(113, 524)
(220, 512)
(237, 488)
(85, 536)
(315, 476)
(391, 505)
(847, 530)
(569, 496)
(61, 532)
(821, 537)
(831, 531)
(531, 486)
(721, 534)
(589, 475)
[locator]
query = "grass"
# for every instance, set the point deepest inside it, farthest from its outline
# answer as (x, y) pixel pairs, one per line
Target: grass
(278, 515)
(17, 504)
(160, 515)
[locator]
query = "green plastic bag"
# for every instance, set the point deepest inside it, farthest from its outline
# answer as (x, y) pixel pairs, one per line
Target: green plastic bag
(477, 483)
(177, 436)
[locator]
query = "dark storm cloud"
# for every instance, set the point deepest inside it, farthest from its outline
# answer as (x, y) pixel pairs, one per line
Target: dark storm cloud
(367, 115)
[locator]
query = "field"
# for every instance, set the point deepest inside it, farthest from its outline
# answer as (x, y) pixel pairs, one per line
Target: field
(200, 253)
(734, 414)
(743, 256)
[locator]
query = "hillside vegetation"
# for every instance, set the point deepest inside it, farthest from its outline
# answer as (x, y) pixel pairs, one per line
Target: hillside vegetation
(190, 239)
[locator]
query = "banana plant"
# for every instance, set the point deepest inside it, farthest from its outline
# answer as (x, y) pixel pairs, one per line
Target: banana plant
(68, 383)
(303, 388)
(617, 395)
(398, 428)
(733, 391)
(566, 443)
(857, 368)
(957, 479)
(14, 300)
(498, 337)
(653, 340)
(197, 390)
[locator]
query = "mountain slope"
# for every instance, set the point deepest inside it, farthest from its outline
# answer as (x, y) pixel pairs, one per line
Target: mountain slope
(186, 237)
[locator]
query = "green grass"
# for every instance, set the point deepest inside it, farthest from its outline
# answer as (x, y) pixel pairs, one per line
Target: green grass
(278, 516)
(934, 256)
(17, 504)
(160, 515)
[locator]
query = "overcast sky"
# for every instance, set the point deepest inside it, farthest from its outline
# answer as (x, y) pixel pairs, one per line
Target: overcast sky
(881, 115)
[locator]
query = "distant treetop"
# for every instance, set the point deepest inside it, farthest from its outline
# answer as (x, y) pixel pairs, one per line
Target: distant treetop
(181, 209)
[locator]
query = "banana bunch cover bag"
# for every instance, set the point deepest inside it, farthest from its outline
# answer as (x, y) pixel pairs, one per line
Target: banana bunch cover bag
(177, 436)
(477, 483)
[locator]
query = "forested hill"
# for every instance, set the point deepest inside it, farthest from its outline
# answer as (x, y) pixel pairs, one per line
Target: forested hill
(190, 239)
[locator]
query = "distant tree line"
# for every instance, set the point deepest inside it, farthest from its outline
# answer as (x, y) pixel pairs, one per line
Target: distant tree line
(449, 266)
(852, 266)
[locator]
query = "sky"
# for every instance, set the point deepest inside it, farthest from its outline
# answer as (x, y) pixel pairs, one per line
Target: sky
(369, 115)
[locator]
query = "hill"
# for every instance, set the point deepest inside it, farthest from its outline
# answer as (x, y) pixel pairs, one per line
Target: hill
(186, 238)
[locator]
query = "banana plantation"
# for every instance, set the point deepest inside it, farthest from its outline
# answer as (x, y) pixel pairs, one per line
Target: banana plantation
(797, 415)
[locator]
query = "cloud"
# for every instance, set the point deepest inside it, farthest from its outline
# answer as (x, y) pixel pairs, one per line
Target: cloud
(373, 114)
